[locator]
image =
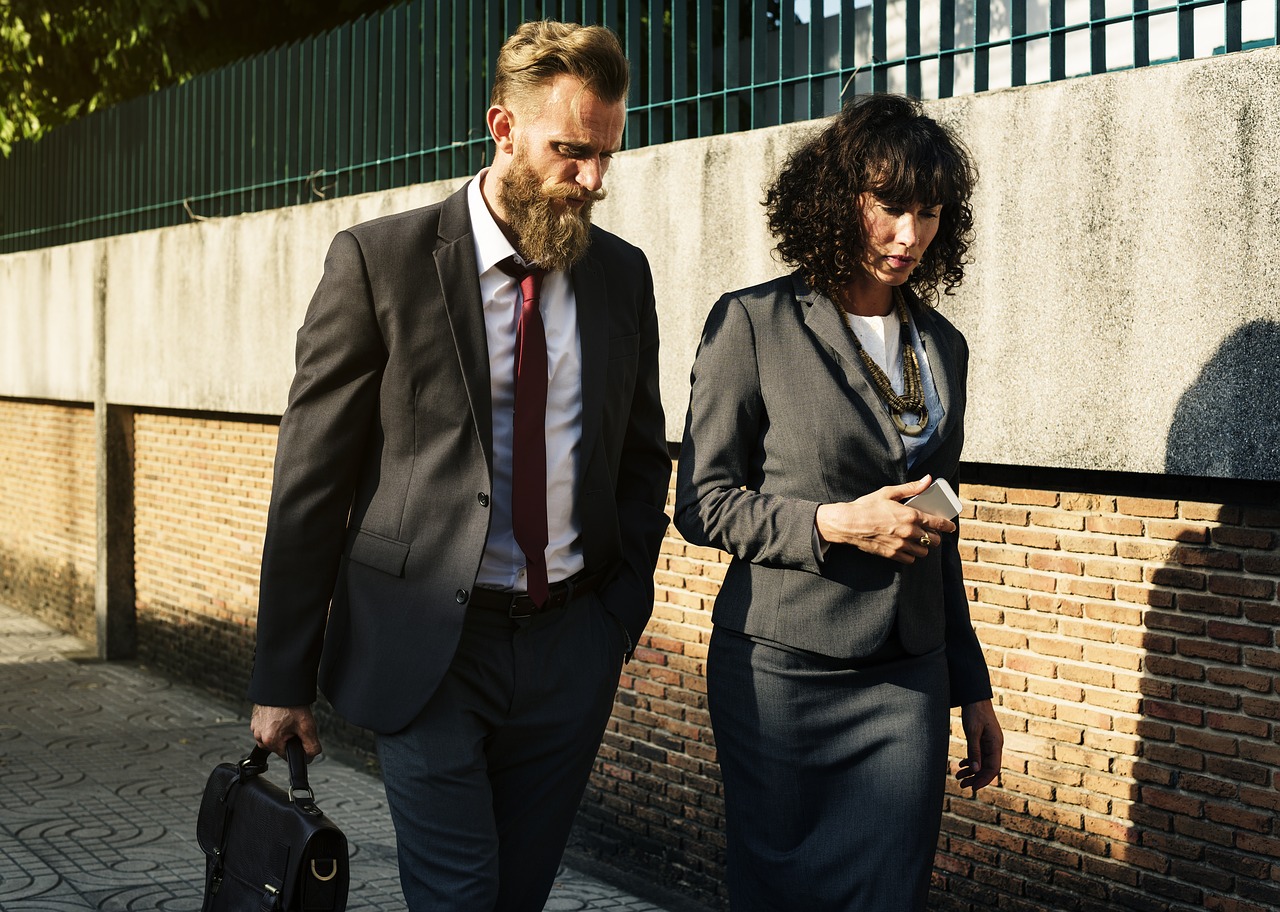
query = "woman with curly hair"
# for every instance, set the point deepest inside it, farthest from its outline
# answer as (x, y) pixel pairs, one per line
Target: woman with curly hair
(821, 402)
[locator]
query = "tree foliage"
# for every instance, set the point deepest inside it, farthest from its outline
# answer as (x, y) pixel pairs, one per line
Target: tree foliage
(60, 59)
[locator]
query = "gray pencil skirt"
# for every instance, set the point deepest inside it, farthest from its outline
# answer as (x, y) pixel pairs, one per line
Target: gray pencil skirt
(833, 775)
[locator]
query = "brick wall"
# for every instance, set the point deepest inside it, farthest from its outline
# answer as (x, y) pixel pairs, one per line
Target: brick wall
(47, 513)
(200, 509)
(1131, 644)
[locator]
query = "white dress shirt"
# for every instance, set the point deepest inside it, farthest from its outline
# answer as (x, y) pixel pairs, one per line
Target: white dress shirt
(503, 564)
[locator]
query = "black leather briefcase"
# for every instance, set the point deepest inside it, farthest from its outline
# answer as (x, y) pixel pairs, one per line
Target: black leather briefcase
(267, 849)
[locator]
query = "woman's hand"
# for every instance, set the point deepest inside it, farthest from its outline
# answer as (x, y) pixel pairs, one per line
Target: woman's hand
(879, 523)
(986, 746)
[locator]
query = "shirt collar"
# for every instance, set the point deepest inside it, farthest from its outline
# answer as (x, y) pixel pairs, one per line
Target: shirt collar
(492, 246)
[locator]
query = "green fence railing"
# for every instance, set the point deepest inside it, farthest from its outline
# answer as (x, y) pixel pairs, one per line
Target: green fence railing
(398, 97)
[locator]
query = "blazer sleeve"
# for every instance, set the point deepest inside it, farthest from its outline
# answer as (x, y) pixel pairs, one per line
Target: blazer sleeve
(718, 501)
(323, 436)
(644, 472)
(967, 670)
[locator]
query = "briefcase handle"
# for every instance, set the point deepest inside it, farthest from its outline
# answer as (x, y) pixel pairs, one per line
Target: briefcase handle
(299, 789)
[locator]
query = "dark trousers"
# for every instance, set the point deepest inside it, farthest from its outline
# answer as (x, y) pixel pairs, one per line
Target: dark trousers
(833, 776)
(484, 785)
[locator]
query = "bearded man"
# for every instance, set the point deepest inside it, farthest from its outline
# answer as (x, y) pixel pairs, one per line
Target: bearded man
(469, 489)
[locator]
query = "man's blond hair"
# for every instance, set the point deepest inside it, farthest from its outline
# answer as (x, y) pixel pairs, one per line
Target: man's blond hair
(538, 52)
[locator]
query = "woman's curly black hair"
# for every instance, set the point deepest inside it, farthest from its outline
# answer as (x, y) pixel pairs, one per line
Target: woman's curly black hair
(887, 146)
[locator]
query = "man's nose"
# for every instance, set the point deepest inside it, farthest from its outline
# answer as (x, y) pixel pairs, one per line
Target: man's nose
(590, 174)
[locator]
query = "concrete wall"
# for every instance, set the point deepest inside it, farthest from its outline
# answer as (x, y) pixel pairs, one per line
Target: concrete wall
(1124, 282)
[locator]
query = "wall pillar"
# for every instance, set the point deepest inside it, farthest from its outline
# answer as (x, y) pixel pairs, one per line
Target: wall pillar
(115, 609)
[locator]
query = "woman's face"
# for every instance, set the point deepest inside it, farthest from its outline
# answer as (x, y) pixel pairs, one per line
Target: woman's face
(897, 237)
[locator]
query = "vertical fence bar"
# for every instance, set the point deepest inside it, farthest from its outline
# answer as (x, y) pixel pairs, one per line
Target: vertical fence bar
(633, 42)
(880, 45)
(1186, 29)
(1141, 34)
(1057, 40)
(657, 75)
(682, 111)
(1231, 26)
(1097, 36)
(787, 60)
(1018, 51)
(705, 51)
(946, 47)
(732, 68)
(848, 52)
(913, 48)
(760, 70)
(981, 39)
(817, 101)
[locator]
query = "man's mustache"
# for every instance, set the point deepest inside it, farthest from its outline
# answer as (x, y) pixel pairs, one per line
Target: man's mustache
(559, 192)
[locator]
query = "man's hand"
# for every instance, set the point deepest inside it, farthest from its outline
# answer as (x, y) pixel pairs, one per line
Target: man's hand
(273, 726)
(986, 746)
(879, 523)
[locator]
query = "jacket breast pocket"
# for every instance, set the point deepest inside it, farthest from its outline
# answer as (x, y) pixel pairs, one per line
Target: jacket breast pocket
(385, 554)
(624, 346)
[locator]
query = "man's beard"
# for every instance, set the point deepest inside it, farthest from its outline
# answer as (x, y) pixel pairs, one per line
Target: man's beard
(550, 233)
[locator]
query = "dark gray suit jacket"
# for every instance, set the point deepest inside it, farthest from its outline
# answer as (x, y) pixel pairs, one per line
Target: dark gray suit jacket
(380, 505)
(782, 418)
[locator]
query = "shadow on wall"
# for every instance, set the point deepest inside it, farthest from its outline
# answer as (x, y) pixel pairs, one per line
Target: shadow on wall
(1226, 425)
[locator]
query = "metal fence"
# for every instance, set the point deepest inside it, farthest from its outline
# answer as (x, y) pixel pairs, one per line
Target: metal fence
(399, 97)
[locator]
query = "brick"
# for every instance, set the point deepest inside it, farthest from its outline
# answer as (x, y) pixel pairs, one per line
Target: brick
(1262, 658)
(1208, 604)
(1039, 582)
(1267, 613)
(1175, 577)
(1178, 531)
(1264, 517)
(1114, 525)
(1235, 537)
(1174, 712)
(1142, 506)
(1207, 557)
(1236, 677)
(1267, 564)
(1114, 570)
(985, 493)
(1145, 550)
(1242, 586)
(1207, 649)
(1207, 696)
(1055, 563)
(1086, 544)
(1031, 538)
(1164, 666)
(1006, 556)
(1053, 519)
(1032, 497)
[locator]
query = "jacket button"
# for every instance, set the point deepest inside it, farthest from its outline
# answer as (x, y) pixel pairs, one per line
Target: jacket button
(461, 596)
(483, 498)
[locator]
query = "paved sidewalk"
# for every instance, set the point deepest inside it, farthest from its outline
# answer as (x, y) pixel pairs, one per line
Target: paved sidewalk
(101, 770)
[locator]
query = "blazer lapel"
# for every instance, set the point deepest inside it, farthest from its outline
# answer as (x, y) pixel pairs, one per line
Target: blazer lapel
(823, 319)
(455, 257)
(593, 336)
(943, 367)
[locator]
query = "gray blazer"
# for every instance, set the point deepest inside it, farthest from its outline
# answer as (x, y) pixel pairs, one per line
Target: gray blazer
(379, 508)
(782, 418)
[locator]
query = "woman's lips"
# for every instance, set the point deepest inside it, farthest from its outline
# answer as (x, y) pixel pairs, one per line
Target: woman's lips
(901, 262)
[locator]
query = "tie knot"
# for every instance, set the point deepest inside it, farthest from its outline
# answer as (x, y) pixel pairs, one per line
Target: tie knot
(518, 271)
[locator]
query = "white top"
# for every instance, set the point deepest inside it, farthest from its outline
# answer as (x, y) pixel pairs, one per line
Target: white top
(503, 565)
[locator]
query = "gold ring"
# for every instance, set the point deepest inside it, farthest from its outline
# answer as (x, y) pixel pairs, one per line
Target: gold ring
(926, 540)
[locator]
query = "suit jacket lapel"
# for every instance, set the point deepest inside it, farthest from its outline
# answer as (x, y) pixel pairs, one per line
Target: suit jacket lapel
(943, 367)
(824, 320)
(593, 336)
(455, 257)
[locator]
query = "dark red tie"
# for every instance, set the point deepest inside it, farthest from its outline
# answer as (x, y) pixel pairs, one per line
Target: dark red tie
(529, 449)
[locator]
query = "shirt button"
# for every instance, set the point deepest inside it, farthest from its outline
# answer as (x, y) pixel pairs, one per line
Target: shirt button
(461, 596)
(483, 498)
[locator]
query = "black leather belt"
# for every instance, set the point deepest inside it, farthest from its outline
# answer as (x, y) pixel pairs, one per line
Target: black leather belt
(518, 604)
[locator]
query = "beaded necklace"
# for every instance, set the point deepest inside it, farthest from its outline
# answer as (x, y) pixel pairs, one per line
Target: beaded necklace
(911, 399)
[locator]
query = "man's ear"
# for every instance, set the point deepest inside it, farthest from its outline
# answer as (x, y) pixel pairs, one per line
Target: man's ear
(501, 121)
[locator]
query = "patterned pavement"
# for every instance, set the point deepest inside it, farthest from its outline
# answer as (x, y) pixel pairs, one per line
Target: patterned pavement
(101, 770)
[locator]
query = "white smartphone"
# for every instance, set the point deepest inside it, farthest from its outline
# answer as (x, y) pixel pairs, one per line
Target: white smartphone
(938, 499)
